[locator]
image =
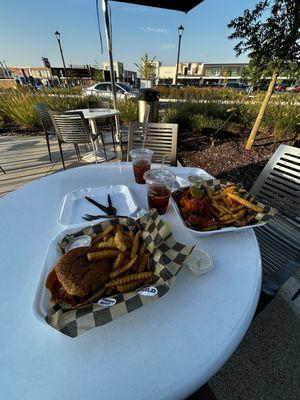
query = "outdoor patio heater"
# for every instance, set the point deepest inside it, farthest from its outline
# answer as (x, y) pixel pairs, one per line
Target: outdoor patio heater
(184, 6)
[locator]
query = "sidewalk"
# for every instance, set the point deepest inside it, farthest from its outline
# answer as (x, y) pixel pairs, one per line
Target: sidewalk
(26, 158)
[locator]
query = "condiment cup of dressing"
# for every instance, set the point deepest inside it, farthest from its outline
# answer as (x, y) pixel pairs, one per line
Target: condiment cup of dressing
(199, 262)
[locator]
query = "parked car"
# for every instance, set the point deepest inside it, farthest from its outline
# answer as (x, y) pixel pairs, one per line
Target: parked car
(103, 89)
(293, 88)
(281, 88)
(240, 87)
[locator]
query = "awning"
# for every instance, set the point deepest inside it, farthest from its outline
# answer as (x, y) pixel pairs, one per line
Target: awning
(184, 6)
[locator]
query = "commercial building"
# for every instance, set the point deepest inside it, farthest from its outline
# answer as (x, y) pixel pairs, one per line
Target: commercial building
(121, 74)
(200, 74)
(51, 75)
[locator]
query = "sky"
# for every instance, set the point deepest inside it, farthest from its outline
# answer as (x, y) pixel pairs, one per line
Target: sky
(27, 32)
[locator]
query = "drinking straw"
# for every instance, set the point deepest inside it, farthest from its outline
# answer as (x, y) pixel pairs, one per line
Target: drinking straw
(144, 140)
(162, 164)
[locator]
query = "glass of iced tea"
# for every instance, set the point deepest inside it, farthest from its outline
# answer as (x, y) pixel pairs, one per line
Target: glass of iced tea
(159, 184)
(141, 162)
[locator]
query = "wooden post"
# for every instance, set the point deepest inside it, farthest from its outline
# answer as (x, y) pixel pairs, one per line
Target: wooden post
(261, 113)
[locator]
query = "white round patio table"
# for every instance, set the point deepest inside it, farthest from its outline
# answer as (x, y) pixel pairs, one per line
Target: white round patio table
(92, 114)
(165, 350)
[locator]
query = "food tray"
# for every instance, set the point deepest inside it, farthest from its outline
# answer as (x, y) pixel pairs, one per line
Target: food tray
(216, 184)
(74, 205)
(168, 257)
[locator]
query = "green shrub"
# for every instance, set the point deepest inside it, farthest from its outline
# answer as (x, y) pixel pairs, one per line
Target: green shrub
(280, 119)
(128, 110)
(18, 105)
(197, 93)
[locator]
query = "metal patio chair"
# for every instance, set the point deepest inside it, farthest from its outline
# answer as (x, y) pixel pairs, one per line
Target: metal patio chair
(106, 127)
(71, 127)
(47, 124)
(160, 138)
(279, 240)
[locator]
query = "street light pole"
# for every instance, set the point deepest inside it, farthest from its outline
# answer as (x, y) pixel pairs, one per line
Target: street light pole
(180, 32)
(57, 34)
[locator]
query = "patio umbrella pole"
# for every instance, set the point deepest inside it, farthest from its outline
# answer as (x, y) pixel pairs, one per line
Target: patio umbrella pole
(111, 65)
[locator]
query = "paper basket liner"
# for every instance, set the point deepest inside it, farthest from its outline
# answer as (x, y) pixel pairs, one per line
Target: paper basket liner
(168, 258)
(218, 184)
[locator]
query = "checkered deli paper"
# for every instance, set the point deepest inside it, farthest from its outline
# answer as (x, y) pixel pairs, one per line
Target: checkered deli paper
(218, 184)
(168, 257)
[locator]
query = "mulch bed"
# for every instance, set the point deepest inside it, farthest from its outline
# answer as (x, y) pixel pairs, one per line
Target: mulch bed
(227, 159)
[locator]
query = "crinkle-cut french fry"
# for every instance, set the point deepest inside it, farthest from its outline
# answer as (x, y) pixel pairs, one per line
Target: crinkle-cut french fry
(229, 189)
(129, 286)
(143, 250)
(107, 238)
(102, 255)
(119, 242)
(107, 245)
(132, 234)
(118, 261)
(143, 264)
(135, 245)
(128, 278)
(119, 228)
(245, 202)
(108, 230)
(125, 268)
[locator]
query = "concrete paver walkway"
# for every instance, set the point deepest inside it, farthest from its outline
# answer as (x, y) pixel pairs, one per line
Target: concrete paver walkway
(26, 158)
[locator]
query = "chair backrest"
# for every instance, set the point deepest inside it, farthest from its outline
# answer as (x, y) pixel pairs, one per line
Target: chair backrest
(279, 182)
(161, 138)
(147, 114)
(71, 127)
(45, 118)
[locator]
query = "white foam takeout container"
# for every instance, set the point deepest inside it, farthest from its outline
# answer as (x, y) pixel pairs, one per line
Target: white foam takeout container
(74, 205)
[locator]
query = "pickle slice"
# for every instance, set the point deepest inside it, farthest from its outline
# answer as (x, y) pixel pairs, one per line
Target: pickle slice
(197, 192)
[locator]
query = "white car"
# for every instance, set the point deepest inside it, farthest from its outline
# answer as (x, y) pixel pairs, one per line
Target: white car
(103, 89)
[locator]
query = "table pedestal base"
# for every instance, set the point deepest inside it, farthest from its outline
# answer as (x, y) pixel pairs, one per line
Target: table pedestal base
(90, 157)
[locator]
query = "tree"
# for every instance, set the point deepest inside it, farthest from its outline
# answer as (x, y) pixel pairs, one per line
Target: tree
(270, 36)
(147, 68)
(97, 73)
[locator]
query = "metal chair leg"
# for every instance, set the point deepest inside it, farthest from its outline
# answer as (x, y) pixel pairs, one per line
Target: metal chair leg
(95, 152)
(61, 155)
(77, 153)
(112, 128)
(103, 145)
(2, 170)
(48, 146)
